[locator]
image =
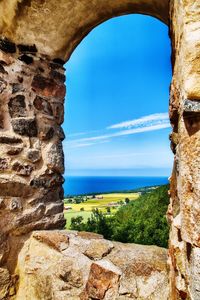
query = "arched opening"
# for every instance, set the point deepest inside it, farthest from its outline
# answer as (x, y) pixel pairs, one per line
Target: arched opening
(117, 113)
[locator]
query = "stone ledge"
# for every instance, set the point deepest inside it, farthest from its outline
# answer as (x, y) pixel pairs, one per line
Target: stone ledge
(67, 265)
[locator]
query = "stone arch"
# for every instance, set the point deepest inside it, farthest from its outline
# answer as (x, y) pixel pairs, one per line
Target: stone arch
(36, 38)
(57, 29)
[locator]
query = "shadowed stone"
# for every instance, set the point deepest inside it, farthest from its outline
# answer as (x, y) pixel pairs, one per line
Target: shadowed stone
(17, 106)
(25, 126)
(7, 46)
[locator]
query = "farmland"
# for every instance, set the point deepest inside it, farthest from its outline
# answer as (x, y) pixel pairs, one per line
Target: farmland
(84, 209)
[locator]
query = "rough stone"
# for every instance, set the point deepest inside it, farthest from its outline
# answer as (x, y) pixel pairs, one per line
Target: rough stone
(43, 105)
(5, 282)
(47, 87)
(46, 132)
(58, 112)
(55, 157)
(34, 155)
(4, 164)
(14, 150)
(3, 85)
(7, 46)
(25, 126)
(52, 265)
(10, 139)
(17, 106)
(22, 169)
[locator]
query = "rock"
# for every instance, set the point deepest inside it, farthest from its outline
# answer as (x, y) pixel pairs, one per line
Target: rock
(25, 126)
(5, 282)
(3, 85)
(26, 59)
(10, 139)
(43, 105)
(17, 106)
(102, 283)
(16, 87)
(7, 46)
(55, 157)
(34, 155)
(97, 249)
(4, 164)
(27, 48)
(15, 204)
(58, 112)
(47, 87)
(22, 169)
(2, 70)
(54, 239)
(46, 132)
(14, 150)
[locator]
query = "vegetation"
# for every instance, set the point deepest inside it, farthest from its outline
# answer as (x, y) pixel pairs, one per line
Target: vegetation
(142, 221)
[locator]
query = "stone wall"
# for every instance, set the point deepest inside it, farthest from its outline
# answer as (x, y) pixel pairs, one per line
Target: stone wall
(31, 164)
(37, 37)
(184, 209)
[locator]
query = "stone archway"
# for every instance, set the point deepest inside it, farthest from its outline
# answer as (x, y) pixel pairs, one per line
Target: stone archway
(37, 37)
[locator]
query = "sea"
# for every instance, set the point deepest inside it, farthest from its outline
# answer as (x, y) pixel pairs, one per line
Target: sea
(80, 185)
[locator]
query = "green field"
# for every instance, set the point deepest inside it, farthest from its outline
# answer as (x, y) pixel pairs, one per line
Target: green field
(101, 204)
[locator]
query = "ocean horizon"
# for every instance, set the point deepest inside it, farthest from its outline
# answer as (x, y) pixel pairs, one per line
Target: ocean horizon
(80, 185)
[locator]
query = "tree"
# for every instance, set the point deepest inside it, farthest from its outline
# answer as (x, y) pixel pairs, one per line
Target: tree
(108, 210)
(127, 200)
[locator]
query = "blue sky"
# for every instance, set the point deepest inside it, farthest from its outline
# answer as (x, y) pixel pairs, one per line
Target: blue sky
(116, 110)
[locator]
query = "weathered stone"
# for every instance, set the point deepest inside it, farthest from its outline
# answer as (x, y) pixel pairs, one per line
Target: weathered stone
(102, 282)
(1, 121)
(3, 85)
(25, 126)
(56, 240)
(17, 106)
(33, 155)
(98, 249)
(22, 169)
(47, 87)
(55, 157)
(15, 204)
(2, 70)
(47, 181)
(26, 58)
(57, 76)
(58, 112)
(4, 164)
(7, 46)
(56, 265)
(192, 106)
(43, 105)
(14, 150)
(10, 139)
(27, 48)
(5, 283)
(16, 87)
(46, 132)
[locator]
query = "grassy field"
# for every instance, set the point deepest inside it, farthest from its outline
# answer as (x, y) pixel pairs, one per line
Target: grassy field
(101, 204)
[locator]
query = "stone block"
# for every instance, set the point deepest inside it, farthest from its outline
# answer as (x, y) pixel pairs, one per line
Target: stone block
(17, 106)
(25, 126)
(7, 46)
(22, 169)
(34, 155)
(55, 157)
(4, 164)
(42, 105)
(47, 87)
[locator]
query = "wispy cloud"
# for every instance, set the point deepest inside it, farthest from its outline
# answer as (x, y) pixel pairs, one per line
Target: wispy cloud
(144, 124)
(143, 121)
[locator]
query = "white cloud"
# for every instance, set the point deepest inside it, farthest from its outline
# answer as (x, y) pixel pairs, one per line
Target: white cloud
(145, 124)
(143, 121)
